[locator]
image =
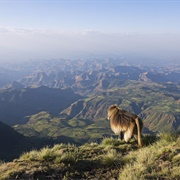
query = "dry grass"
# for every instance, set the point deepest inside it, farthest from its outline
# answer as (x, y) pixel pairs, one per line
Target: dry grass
(159, 160)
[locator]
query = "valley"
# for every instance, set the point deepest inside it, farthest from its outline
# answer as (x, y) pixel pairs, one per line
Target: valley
(66, 101)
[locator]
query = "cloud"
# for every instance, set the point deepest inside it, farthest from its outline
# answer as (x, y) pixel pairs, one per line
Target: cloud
(24, 43)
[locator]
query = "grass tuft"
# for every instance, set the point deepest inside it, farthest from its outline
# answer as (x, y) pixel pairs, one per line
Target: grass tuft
(111, 158)
(47, 154)
(32, 156)
(111, 142)
(169, 137)
(71, 156)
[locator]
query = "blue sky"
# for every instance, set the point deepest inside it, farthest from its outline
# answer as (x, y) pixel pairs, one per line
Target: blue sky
(51, 29)
(99, 15)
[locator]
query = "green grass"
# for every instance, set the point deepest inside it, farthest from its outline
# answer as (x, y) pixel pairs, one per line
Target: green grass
(157, 161)
(111, 142)
(112, 158)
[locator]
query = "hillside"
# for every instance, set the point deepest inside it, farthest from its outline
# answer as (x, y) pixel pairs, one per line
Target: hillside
(85, 119)
(10, 142)
(17, 103)
(109, 159)
(146, 100)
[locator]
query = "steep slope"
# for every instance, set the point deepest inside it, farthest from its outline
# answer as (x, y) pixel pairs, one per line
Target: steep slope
(8, 135)
(154, 103)
(16, 104)
(10, 142)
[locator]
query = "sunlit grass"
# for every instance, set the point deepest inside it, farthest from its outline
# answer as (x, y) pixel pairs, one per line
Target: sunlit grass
(154, 161)
(110, 142)
(112, 158)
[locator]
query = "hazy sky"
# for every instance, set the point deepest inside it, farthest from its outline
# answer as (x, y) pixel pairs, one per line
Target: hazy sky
(31, 29)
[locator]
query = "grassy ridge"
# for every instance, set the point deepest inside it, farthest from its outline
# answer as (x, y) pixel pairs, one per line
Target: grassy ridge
(112, 158)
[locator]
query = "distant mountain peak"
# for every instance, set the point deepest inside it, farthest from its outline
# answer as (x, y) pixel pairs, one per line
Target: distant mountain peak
(14, 85)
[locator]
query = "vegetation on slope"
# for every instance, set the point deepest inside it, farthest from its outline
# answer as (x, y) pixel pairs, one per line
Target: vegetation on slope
(112, 158)
(86, 118)
(45, 125)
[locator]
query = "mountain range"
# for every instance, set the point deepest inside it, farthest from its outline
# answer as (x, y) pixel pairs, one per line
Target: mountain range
(67, 101)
